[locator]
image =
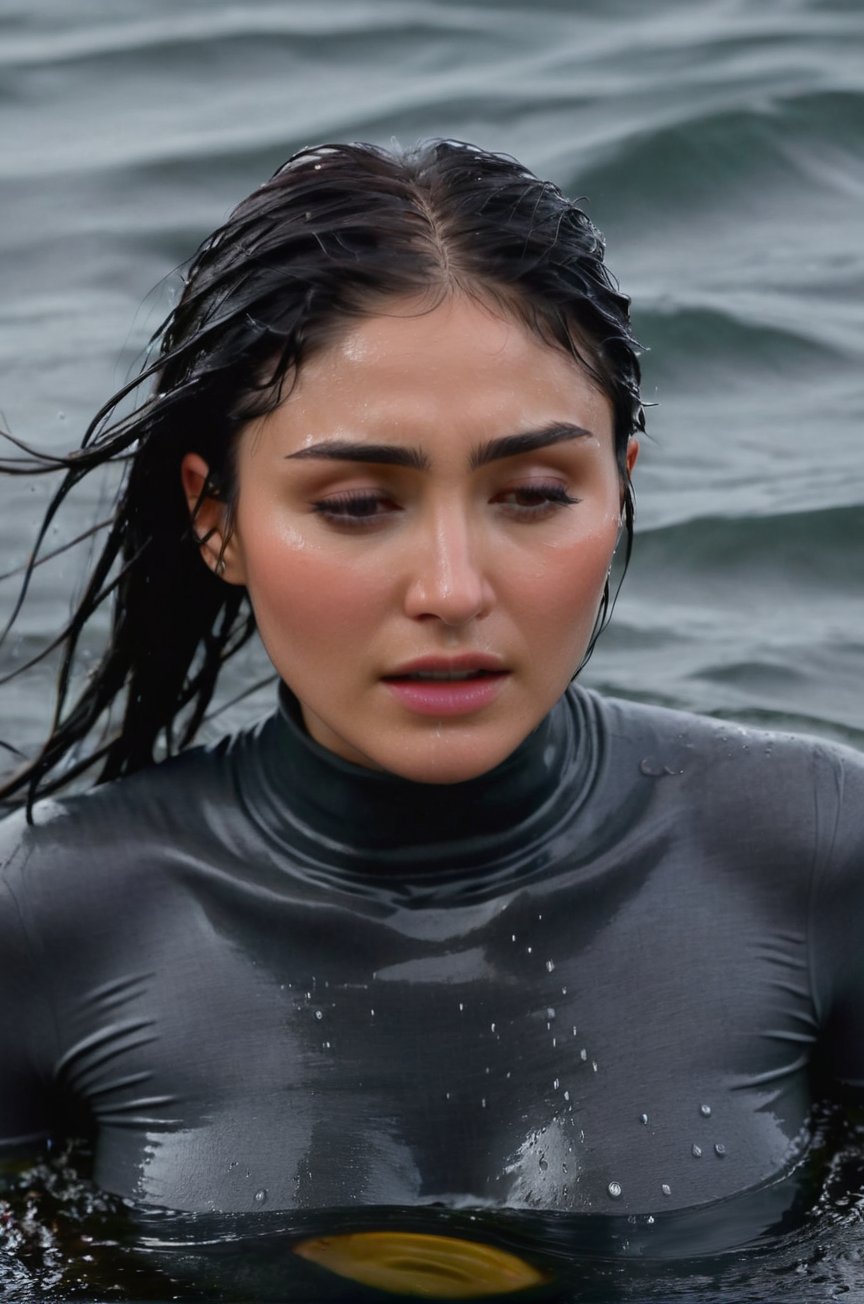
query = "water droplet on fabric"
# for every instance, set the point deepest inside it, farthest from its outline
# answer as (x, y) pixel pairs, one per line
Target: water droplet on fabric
(650, 1220)
(319, 1014)
(482, 1102)
(550, 1013)
(705, 1111)
(719, 1149)
(583, 1055)
(491, 1027)
(566, 1095)
(550, 966)
(696, 1152)
(556, 1084)
(614, 1189)
(261, 1196)
(543, 1165)
(643, 1119)
(666, 1188)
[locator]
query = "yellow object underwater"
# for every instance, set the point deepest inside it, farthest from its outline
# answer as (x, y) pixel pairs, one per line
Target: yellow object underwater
(411, 1263)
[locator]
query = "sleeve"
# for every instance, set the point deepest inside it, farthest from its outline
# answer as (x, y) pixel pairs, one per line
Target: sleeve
(26, 1024)
(837, 919)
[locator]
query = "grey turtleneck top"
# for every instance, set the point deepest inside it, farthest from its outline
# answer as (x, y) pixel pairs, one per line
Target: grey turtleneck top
(609, 976)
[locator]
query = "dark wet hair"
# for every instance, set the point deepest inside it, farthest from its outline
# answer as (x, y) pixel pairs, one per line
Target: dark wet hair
(337, 230)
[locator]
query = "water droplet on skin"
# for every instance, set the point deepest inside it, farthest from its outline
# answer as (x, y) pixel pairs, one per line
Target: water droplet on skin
(319, 1014)
(719, 1149)
(614, 1189)
(705, 1111)
(696, 1152)
(550, 966)
(666, 1189)
(643, 1119)
(261, 1196)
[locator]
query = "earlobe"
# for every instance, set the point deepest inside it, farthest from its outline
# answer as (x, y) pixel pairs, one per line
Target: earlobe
(208, 515)
(632, 454)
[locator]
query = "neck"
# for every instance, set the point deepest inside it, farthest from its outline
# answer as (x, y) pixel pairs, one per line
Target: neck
(361, 823)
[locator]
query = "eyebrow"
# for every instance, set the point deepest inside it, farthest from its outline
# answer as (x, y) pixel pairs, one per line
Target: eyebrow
(346, 450)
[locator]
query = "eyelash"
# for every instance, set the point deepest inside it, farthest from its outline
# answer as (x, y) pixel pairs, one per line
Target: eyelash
(357, 510)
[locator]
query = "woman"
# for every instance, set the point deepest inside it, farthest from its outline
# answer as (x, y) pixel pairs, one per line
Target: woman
(444, 928)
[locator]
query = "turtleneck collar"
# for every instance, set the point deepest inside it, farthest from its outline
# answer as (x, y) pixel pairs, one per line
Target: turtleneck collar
(354, 821)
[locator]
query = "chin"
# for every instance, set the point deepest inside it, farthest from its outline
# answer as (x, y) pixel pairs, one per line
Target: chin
(443, 761)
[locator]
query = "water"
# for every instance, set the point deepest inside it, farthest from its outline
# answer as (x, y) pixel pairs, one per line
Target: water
(719, 147)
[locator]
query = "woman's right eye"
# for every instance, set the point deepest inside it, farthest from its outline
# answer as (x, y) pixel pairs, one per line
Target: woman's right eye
(354, 510)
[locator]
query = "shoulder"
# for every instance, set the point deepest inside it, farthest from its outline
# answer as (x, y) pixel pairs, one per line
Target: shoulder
(95, 845)
(744, 781)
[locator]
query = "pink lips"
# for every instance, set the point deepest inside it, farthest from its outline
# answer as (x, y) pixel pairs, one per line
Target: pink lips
(448, 696)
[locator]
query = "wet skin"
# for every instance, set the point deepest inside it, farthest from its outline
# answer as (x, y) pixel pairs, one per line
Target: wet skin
(441, 547)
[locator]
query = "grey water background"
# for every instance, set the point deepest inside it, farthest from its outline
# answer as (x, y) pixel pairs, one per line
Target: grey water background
(720, 147)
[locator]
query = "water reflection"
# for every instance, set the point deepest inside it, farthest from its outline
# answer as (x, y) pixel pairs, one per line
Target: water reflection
(800, 1239)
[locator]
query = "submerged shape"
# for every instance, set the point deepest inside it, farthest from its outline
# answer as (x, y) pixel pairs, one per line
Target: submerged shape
(412, 1263)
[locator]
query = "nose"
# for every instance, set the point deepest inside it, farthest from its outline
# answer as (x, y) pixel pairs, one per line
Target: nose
(447, 577)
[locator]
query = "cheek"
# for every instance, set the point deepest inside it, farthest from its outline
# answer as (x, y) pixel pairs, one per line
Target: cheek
(562, 589)
(304, 600)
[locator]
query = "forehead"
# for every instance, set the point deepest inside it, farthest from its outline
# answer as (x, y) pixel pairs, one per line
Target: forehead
(458, 362)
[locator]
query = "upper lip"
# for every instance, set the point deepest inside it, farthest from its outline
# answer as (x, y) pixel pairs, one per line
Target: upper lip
(465, 661)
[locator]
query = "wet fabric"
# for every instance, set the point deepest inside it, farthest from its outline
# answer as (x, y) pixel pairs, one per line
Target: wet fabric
(609, 976)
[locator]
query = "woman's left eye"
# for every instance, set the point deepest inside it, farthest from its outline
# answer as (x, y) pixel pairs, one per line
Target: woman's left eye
(535, 501)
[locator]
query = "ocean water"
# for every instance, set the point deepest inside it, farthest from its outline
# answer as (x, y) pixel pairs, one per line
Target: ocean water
(718, 144)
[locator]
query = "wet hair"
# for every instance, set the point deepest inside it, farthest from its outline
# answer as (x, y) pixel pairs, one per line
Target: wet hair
(336, 232)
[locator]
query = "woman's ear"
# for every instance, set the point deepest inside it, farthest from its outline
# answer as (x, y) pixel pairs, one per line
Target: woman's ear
(209, 516)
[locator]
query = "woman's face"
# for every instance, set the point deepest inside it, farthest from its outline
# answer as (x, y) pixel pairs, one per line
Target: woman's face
(424, 527)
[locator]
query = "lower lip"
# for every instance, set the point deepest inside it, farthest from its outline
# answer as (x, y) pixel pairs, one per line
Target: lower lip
(446, 696)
